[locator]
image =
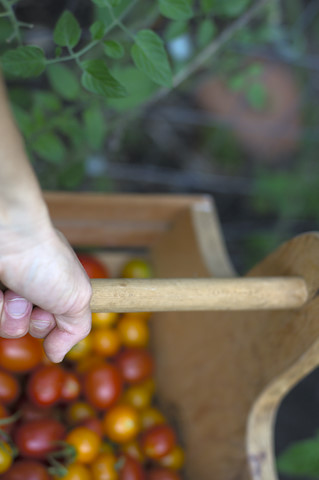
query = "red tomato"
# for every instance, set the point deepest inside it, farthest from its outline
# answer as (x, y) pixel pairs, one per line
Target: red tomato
(135, 364)
(163, 474)
(94, 424)
(37, 438)
(45, 385)
(130, 469)
(20, 355)
(71, 387)
(9, 388)
(158, 441)
(30, 411)
(93, 267)
(26, 470)
(102, 385)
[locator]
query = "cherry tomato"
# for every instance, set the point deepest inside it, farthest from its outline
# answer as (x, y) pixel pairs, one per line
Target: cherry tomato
(133, 331)
(163, 474)
(137, 268)
(133, 449)
(94, 424)
(9, 388)
(6, 457)
(20, 355)
(93, 267)
(79, 411)
(104, 320)
(37, 438)
(86, 443)
(174, 459)
(102, 385)
(139, 396)
(131, 469)
(135, 364)
(30, 411)
(71, 387)
(81, 350)
(106, 341)
(104, 467)
(26, 470)
(158, 441)
(45, 385)
(75, 471)
(121, 423)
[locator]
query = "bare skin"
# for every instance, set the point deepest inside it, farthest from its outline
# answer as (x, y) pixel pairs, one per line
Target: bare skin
(48, 293)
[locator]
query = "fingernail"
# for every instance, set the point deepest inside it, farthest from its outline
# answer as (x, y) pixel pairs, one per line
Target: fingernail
(17, 307)
(39, 324)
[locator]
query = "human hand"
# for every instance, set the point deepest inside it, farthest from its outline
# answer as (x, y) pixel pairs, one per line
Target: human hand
(39, 268)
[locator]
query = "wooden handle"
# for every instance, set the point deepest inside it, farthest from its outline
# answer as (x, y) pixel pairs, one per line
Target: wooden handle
(160, 295)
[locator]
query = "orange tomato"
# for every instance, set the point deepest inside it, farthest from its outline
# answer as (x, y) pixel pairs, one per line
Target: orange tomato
(133, 449)
(104, 467)
(85, 442)
(104, 320)
(133, 330)
(121, 423)
(106, 341)
(75, 471)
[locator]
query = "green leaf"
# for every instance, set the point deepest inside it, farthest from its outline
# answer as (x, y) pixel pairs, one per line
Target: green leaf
(25, 62)
(72, 175)
(49, 147)
(237, 81)
(70, 127)
(98, 79)
(175, 29)
(47, 101)
(63, 81)
(257, 96)
(113, 49)
(206, 32)
(150, 57)
(67, 31)
(300, 458)
(23, 120)
(97, 30)
(95, 127)
(230, 8)
(101, 3)
(139, 88)
(176, 9)
(207, 5)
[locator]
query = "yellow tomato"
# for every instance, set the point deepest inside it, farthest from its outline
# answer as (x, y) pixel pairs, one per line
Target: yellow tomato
(104, 467)
(150, 416)
(106, 341)
(79, 411)
(75, 471)
(133, 330)
(174, 459)
(133, 448)
(139, 396)
(103, 320)
(6, 457)
(137, 268)
(81, 350)
(121, 423)
(85, 442)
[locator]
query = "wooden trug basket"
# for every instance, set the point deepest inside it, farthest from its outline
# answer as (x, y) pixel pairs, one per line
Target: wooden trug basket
(222, 374)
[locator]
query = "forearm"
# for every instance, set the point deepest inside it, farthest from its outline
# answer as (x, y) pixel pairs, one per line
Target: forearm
(20, 194)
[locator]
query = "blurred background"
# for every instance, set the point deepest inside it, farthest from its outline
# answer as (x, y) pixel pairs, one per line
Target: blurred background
(230, 109)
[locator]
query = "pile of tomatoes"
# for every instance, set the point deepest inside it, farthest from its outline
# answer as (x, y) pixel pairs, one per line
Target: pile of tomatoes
(92, 417)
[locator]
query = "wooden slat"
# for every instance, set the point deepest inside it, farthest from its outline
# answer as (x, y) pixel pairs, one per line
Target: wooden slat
(100, 220)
